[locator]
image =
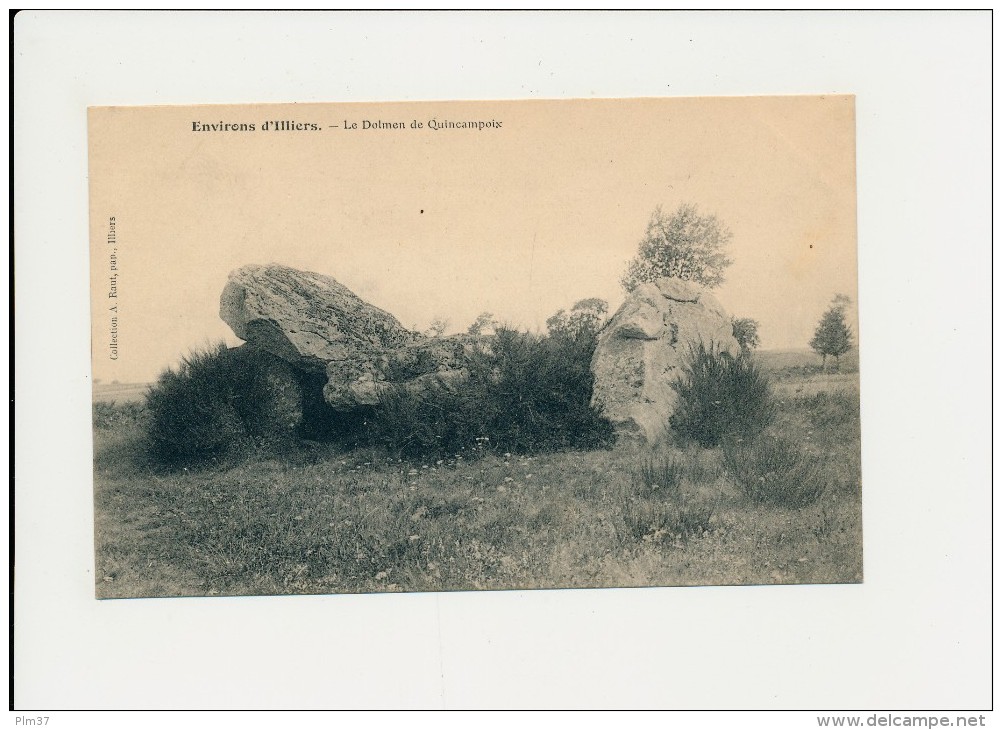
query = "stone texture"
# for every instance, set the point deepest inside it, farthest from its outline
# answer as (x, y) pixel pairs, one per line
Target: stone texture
(305, 318)
(641, 349)
(316, 324)
(416, 366)
(280, 411)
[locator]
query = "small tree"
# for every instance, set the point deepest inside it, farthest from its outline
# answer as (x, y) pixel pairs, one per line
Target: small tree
(746, 333)
(685, 245)
(832, 336)
(585, 318)
(484, 324)
(437, 327)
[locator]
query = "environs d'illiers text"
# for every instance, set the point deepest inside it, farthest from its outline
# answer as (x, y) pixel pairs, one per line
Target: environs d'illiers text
(348, 125)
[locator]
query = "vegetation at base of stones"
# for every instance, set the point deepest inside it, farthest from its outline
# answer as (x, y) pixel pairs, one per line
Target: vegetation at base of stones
(746, 333)
(720, 396)
(218, 400)
(775, 469)
(523, 393)
(683, 245)
(832, 336)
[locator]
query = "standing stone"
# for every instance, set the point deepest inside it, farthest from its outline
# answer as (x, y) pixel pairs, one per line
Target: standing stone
(268, 395)
(643, 347)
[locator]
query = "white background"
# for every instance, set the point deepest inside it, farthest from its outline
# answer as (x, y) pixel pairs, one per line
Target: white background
(916, 635)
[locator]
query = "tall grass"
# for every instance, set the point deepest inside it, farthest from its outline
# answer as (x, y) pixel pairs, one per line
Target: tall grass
(667, 521)
(658, 474)
(111, 414)
(774, 469)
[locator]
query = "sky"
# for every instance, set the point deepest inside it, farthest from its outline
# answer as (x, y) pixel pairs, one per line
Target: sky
(519, 220)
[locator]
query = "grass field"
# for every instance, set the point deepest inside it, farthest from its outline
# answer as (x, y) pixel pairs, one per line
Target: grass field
(120, 392)
(320, 520)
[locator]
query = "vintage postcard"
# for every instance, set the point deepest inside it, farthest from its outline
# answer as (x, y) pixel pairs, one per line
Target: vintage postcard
(451, 346)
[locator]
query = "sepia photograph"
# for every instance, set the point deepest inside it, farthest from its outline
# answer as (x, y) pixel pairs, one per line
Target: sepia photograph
(501, 360)
(474, 346)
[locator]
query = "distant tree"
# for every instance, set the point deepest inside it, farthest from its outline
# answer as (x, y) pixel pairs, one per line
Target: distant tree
(841, 300)
(585, 318)
(746, 333)
(832, 336)
(438, 327)
(685, 245)
(484, 324)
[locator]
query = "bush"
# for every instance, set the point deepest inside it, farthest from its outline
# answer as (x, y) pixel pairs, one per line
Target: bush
(658, 475)
(720, 396)
(774, 469)
(429, 424)
(523, 393)
(218, 400)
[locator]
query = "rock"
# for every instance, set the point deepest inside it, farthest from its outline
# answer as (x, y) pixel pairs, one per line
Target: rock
(317, 325)
(641, 349)
(276, 408)
(306, 319)
(426, 363)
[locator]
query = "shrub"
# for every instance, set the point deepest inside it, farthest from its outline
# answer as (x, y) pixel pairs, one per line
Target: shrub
(719, 396)
(658, 474)
(774, 469)
(430, 423)
(523, 393)
(220, 399)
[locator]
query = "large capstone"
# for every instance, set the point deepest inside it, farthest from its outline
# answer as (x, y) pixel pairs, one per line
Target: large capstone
(318, 325)
(305, 318)
(642, 349)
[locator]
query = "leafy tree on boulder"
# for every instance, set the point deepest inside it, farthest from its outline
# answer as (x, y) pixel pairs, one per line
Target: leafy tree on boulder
(832, 336)
(684, 245)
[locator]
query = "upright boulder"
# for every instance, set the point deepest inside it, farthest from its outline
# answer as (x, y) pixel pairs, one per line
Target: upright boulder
(266, 393)
(642, 348)
(318, 325)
